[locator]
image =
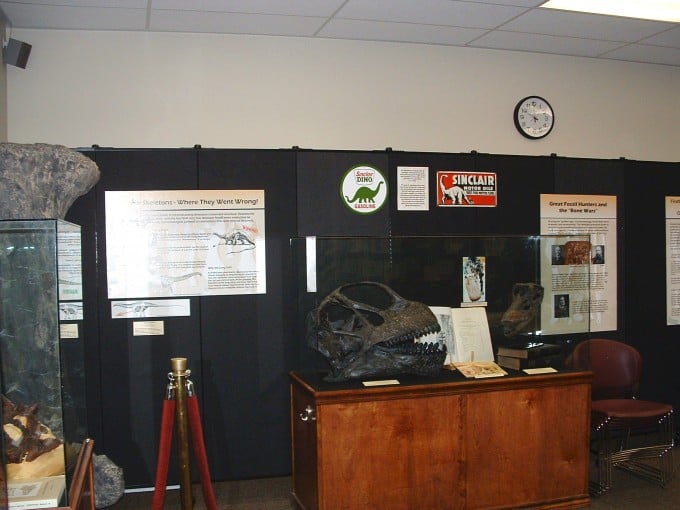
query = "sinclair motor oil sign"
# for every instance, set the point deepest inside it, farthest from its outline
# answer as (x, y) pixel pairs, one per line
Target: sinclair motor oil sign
(466, 189)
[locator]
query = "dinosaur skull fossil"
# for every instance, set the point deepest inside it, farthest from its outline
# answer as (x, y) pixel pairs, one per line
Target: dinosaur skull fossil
(523, 312)
(366, 329)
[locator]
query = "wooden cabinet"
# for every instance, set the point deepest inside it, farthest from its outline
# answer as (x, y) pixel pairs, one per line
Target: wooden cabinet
(441, 444)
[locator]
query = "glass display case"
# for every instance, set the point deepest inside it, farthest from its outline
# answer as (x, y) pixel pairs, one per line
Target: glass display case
(41, 349)
(377, 384)
(532, 289)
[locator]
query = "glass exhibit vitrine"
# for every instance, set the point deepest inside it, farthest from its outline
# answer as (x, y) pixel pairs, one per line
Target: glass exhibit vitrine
(529, 290)
(42, 358)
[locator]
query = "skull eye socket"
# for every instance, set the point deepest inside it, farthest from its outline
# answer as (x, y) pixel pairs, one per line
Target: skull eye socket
(338, 315)
(373, 318)
(345, 318)
(372, 295)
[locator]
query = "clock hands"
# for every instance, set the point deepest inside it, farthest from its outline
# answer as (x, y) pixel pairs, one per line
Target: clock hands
(534, 117)
(533, 114)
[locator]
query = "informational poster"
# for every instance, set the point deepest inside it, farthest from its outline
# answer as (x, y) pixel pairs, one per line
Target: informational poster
(467, 189)
(578, 263)
(69, 266)
(185, 243)
(412, 189)
(672, 260)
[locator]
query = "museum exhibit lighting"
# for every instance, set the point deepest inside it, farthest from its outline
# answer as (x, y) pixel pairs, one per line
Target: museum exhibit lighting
(658, 10)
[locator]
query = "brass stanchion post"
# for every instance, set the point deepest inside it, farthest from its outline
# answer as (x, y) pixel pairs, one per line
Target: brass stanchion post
(180, 373)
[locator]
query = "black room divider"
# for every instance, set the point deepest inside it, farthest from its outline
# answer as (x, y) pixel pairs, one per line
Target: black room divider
(241, 347)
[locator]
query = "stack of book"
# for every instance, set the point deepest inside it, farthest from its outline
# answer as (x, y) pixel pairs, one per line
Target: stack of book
(529, 355)
(30, 493)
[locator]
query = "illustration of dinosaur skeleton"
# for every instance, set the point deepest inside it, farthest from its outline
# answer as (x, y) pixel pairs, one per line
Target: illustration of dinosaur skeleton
(236, 241)
(168, 281)
(455, 193)
(138, 308)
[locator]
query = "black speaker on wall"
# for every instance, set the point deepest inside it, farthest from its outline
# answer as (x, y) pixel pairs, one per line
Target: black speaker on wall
(16, 53)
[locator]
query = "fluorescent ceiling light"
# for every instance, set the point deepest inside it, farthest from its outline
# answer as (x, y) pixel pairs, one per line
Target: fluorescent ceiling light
(659, 10)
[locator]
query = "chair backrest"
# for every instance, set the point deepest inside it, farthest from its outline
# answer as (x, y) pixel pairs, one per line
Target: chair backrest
(616, 367)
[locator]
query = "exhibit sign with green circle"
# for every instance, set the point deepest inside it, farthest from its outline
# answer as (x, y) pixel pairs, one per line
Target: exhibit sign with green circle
(364, 189)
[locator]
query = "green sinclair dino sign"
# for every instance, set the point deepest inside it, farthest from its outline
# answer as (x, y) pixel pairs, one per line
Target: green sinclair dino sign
(364, 189)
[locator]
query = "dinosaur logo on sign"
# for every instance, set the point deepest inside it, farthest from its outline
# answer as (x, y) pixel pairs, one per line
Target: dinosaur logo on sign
(364, 189)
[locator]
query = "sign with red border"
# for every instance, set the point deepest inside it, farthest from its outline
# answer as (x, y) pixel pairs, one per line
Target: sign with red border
(466, 189)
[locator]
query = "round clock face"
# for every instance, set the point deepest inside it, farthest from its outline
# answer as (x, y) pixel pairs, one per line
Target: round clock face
(534, 117)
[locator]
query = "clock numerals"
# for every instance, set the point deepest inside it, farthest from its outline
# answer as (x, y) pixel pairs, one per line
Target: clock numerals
(534, 117)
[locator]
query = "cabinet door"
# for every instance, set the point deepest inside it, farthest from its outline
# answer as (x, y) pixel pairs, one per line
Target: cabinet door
(398, 454)
(527, 446)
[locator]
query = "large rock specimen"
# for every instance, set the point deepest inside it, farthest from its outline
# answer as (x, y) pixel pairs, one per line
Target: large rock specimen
(39, 181)
(109, 483)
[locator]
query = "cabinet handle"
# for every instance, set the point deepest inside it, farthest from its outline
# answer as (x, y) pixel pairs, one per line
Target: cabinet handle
(307, 414)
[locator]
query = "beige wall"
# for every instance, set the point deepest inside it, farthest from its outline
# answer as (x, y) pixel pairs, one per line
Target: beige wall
(127, 89)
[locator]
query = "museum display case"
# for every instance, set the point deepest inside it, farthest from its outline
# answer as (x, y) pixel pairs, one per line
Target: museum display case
(406, 437)
(41, 349)
(534, 289)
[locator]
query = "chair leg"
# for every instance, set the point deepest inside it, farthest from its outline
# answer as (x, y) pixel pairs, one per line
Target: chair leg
(652, 462)
(602, 443)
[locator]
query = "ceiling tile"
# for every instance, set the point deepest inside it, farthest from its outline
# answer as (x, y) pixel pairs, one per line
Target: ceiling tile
(435, 12)
(234, 23)
(76, 18)
(404, 32)
(544, 44)
(323, 8)
(500, 24)
(123, 4)
(645, 53)
(668, 38)
(590, 26)
(520, 3)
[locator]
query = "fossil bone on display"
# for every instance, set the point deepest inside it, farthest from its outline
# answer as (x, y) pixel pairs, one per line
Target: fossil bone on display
(523, 312)
(366, 329)
(41, 180)
(31, 449)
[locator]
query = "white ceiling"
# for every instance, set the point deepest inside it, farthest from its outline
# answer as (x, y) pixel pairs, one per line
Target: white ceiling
(500, 24)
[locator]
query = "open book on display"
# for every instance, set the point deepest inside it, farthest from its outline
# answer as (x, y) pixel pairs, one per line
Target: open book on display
(465, 332)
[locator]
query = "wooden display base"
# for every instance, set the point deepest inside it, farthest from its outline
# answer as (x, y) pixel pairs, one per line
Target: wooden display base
(448, 443)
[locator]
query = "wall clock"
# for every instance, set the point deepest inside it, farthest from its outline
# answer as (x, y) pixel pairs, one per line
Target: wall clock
(534, 117)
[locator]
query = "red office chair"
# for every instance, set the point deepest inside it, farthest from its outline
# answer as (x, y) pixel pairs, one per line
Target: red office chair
(635, 435)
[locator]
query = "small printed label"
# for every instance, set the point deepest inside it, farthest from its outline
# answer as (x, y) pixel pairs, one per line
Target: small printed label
(145, 328)
(385, 382)
(544, 370)
(68, 330)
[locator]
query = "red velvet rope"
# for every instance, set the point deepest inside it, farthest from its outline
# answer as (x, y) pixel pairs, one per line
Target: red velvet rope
(164, 454)
(199, 452)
